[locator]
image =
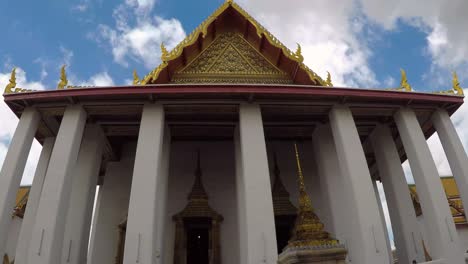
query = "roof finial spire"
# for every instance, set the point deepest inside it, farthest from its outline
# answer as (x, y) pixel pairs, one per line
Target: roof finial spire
(456, 84)
(298, 53)
(404, 85)
(12, 84)
(164, 53)
(136, 79)
(329, 81)
(230, 1)
(63, 78)
(308, 231)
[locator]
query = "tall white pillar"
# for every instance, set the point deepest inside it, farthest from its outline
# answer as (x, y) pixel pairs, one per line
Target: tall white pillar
(258, 241)
(29, 218)
(454, 150)
(47, 236)
(149, 190)
(382, 216)
(330, 180)
(404, 222)
(13, 168)
(85, 175)
(366, 228)
(442, 236)
(111, 208)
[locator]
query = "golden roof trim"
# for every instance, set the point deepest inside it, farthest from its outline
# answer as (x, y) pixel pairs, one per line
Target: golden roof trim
(203, 29)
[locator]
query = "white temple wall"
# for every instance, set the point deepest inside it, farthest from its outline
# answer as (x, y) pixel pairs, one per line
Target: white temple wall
(218, 176)
(112, 207)
(13, 234)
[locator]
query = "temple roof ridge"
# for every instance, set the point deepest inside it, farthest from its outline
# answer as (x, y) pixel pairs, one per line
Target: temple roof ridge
(202, 29)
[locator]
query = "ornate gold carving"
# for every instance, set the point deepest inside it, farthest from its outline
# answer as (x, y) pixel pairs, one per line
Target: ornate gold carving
(230, 58)
(164, 53)
(136, 79)
(456, 88)
(203, 30)
(298, 53)
(404, 85)
(63, 79)
(329, 81)
(308, 231)
(456, 84)
(12, 84)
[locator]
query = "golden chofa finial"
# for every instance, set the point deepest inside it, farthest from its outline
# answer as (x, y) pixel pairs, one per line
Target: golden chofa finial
(456, 85)
(136, 79)
(63, 79)
(404, 85)
(308, 230)
(164, 53)
(298, 53)
(328, 82)
(229, 1)
(12, 84)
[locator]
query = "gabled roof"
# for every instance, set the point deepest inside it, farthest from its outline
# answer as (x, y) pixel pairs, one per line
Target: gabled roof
(233, 48)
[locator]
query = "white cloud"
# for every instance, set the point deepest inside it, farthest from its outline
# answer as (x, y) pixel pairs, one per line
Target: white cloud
(67, 56)
(100, 79)
(327, 31)
(139, 39)
(82, 7)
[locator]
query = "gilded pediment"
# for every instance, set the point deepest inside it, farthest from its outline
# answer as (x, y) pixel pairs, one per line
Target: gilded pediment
(230, 59)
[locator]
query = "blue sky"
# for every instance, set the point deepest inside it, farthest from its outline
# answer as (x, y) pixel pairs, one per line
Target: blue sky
(363, 43)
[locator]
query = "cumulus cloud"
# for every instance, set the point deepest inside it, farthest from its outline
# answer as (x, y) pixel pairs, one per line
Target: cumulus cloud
(327, 31)
(138, 38)
(443, 21)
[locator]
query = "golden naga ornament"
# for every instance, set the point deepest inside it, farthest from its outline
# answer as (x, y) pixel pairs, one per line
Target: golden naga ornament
(329, 81)
(12, 84)
(456, 85)
(63, 79)
(456, 88)
(298, 53)
(308, 230)
(136, 79)
(404, 85)
(164, 53)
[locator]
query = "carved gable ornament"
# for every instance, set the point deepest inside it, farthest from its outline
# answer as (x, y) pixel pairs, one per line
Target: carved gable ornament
(230, 59)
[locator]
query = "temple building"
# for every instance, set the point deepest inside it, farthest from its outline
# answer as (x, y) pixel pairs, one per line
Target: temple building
(231, 151)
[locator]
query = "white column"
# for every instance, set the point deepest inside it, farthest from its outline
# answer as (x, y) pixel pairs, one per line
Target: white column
(404, 223)
(13, 168)
(84, 183)
(366, 228)
(442, 236)
(111, 208)
(258, 242)
(454, 150)
(33, 202)
(149, 189)
(330, 179)
(382, 216)
(47, 236)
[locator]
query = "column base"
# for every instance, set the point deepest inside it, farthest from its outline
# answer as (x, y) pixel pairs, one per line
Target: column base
(316, 255)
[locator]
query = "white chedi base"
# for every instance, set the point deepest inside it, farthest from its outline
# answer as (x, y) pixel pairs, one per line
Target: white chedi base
(315, 255)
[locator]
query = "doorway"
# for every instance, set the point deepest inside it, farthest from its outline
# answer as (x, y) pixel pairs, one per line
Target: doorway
(198, 240)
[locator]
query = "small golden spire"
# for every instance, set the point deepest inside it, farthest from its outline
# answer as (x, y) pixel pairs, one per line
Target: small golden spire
(329, 81)
(136, 79)
(12, 84)
(63, 79)
(164, 53)
(456, 84)
(308, 230)
(404, 85)
(230, 1)
(298, 53)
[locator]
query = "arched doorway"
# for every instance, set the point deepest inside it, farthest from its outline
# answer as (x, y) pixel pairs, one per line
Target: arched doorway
(197, 232)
